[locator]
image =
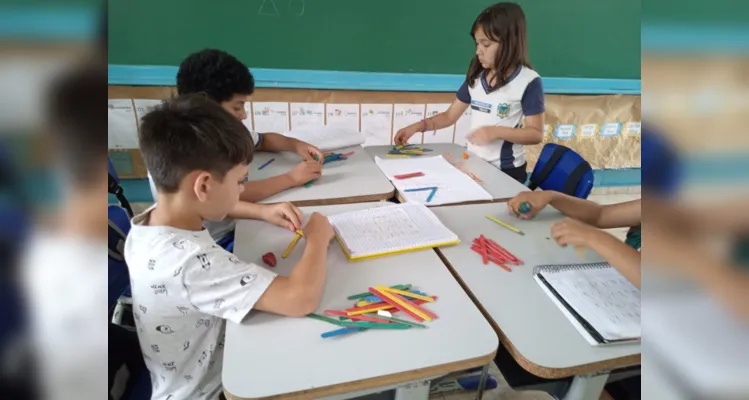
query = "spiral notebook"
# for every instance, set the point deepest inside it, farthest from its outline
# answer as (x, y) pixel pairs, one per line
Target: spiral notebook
(390, 229)
(602, 305)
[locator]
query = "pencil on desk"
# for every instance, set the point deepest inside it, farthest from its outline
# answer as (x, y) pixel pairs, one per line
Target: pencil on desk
(505, 224)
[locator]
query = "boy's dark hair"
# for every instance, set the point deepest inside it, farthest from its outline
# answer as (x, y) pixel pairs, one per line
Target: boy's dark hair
(216, 73)
(503, 23)
(191, 133)
(76, 124)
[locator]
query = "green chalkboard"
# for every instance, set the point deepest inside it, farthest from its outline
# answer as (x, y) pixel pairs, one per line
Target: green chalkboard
(568, 38)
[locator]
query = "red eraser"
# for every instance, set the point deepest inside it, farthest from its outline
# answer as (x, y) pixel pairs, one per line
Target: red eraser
(270, 259)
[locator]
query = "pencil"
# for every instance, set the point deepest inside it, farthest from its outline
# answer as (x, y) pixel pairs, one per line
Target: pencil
(291, 245)
(266, 163)
(506, 225)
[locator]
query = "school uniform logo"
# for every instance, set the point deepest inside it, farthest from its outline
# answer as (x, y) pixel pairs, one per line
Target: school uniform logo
(503, 110)
(481, 106)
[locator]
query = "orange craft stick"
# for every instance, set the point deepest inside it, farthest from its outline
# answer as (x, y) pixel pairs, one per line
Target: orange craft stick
(390, 299)
(376, 307)
(430, 315)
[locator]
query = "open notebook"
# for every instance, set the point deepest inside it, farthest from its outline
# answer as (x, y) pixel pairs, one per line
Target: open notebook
(328, 138)
(391, 229)
(602, 305)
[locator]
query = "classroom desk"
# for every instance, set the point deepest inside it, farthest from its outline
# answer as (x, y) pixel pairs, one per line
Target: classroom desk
(268, 355)
(528, 323)
(498, 184)
(355, 180)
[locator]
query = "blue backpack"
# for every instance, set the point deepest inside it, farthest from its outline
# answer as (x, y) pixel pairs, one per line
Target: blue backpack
(561, 169)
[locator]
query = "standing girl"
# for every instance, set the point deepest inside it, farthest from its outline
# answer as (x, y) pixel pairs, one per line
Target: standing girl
(501, 89)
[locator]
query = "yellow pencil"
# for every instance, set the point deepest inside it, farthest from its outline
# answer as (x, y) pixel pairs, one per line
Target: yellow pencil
(292, 244)
(387, 294)
(506, 225)
(408, 294)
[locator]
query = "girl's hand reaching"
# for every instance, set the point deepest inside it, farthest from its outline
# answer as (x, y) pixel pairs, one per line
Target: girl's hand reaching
(536, 201)
(401, 138)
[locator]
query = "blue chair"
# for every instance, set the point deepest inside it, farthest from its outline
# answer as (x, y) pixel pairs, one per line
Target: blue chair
(561, 169)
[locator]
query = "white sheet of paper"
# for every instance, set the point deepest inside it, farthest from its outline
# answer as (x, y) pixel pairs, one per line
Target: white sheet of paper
(444, 135)
(405, 115)
(248, 121)
(307, 115)
(376, 124)
(144, 106)
(271, 117)
(328, 138)
(462, 128)
(344, 116)
(122, 125)
(452, 185)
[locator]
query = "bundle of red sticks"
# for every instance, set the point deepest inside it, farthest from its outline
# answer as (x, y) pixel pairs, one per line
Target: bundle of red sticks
(491, 251)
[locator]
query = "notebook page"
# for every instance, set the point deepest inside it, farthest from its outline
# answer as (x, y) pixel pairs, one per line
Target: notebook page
(389, 229)
(603, 297)
(328, 138)
(453, 186)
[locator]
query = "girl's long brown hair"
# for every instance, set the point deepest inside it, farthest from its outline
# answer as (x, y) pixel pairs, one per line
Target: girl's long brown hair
(503, 23)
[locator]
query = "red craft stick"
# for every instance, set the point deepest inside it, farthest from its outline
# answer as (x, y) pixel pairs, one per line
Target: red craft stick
(411, 175)
(482, 245)
(378, 306)
(496, 248)
(493, 257)
(396, 305)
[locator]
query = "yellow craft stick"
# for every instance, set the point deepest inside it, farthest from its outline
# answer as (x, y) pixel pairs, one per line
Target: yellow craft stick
(397, 156)
(369, 310)
(505, 224)
(409, 294)
(292, 244)
(389, 295)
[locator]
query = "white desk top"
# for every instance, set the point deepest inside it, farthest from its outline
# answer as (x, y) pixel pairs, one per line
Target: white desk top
(356, 179)
(497, 183)
(269, 355)
(523, 312)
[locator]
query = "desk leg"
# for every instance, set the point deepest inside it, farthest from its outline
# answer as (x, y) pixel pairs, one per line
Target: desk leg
(587, 387)
(413, 391)
(482, 382)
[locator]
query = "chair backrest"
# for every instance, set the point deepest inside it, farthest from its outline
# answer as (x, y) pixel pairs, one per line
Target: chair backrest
(561, 169)
(119, 277)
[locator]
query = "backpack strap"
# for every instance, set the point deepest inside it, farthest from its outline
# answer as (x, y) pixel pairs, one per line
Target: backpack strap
(116, 242)
(570, 186)
(546, 170)
(115, 189)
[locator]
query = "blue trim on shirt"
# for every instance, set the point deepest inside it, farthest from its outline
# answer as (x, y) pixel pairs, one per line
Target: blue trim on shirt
(533, 98)
(259, 140)
(506, 156)
(463, 93)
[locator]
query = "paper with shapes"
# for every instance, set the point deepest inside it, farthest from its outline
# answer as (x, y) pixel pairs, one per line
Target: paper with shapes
(122, 125)
(463, 128)
(444, 135)
(344, 116)
(376, 124)
(307, 115)
(388, 229)
(328, 138)
(453, 186)
(405, 115)
(271, 117)
(144, 106)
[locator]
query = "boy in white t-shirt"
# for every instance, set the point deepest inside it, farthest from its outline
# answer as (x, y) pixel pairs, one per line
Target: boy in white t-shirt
(184, 285)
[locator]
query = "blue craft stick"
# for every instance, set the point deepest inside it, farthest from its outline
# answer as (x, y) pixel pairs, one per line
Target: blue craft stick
(266, 163)
(420, 189)
(341, 331)
(431, 195)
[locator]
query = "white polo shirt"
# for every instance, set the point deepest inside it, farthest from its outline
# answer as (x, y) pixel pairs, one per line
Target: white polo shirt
(217, 229)
(523, 95)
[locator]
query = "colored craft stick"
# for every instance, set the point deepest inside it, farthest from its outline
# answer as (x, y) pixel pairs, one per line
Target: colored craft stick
(420, 189)
(341, 331)
(374, 325)
(411, 175)
(505, 224)
(406, 294)
(324, 319)
(493, 247)
(266, 163)
(367, 294)
(375, 299)
(431, 195)
(400, 321)
(292, 244)
(493, 258)
(397, 156)
(400, 305)
(364, 303)
(365, 318)
(482, 247)
(376, 307)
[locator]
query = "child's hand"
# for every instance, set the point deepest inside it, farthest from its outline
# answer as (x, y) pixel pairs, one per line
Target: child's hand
(536, 200)
(284, 215)
(308, 152)
(480, 136)
(318, 229)
(402, 136)
(571, 232)
(305, 171)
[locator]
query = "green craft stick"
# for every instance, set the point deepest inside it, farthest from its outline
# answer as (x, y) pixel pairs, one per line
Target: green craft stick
(367, 294)
(374, 325)
(400, 321)
(325, 319)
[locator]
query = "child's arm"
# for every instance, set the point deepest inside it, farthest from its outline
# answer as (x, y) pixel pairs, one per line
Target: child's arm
(626, 214)
(275, 142)
(302, 173)
(532, 132)
(282, 214)
(439, 121)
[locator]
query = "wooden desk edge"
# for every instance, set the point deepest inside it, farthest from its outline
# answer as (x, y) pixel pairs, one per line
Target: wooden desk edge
(535, 369)
(380, 381)
(343, 200)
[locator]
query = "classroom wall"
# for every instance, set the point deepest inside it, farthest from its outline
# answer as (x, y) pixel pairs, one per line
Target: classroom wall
(604, 129)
